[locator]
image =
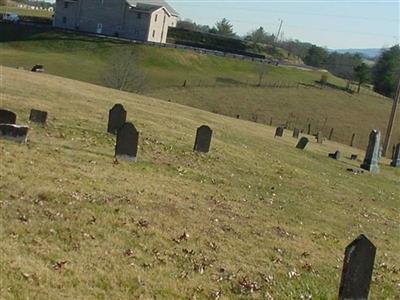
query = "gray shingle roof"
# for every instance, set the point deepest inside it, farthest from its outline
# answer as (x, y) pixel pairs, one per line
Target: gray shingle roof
(158, 3)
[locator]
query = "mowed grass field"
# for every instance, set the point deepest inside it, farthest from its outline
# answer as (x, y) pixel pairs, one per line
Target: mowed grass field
(221, 85)
(253, 219)
(26, 12)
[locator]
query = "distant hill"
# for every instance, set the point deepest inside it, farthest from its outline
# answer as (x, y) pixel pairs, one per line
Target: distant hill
(370, 53)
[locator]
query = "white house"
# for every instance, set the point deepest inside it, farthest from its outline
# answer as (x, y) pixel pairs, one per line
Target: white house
(145, 20)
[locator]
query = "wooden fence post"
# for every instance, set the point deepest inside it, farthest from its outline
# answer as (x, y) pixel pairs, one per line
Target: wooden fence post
(352, 140)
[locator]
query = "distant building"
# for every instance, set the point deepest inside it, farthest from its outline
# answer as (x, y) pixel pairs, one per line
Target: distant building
(144, 20)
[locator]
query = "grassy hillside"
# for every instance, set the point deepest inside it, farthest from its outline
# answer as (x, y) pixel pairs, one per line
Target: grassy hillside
(254, 212)
(222, 85)
(26, 12)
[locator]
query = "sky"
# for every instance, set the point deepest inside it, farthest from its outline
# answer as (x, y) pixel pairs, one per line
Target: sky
(333, 24)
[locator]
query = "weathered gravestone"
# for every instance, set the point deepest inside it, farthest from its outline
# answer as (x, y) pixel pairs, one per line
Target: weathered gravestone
(319, 137)
(116, 118)
(354, 157)
(302, 143)
(279, 131)
(358, 265)
(7, 117)
(203, 139)
(396, 157)
(127, 142)
(371, 159)
(14, 132)
(337, 155)
(296, 133)
(38, 116)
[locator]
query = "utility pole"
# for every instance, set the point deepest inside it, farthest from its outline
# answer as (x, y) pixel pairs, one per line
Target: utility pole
(279, 31)
(392, 119)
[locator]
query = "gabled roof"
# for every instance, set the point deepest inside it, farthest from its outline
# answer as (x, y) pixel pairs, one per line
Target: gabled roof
(152, 3)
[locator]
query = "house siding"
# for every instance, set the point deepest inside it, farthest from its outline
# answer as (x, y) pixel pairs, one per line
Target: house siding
(114, 18)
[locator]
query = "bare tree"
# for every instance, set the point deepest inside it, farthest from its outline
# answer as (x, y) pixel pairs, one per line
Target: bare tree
(261, 69)
(123, 72)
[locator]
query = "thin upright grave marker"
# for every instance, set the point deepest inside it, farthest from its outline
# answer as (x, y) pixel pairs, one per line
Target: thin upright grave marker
(126, 147)
(7, 117)
(396, 157)
(296, 133)
(116, 118)
(302, 143)
(203, 139)
(371, 159)
(279, 131)
(352, 140)
(331, 134)
(38, 116)
(358, 265)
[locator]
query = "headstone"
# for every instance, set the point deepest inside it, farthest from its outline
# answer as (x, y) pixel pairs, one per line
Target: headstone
(7, 117)
(371, 159)
(354, 157)
(14, 132)
(296, 133)
(396, 157)
(358, 265)
(279, 131)
(38, 116)
(127, 142)
(203, 139)
(302, 143)
(319, 137)
(337, 155)
(116, 118)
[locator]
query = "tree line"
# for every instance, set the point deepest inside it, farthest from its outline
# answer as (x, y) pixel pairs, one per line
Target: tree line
(383, 74)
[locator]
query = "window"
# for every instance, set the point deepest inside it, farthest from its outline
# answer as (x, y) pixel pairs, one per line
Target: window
(64, 20)
(154, 33)
(66, 4)
(155, 20)
(139, 15)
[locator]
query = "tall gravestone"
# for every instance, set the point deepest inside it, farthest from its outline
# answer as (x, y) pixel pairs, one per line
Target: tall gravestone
(203, 139)
(296, 133)
(38, 116)
(302, 143)
(7, 117)
(358, 265)
(371, 159)
(127, 142)
(396, 157)
(116, 118)
(279, 131)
